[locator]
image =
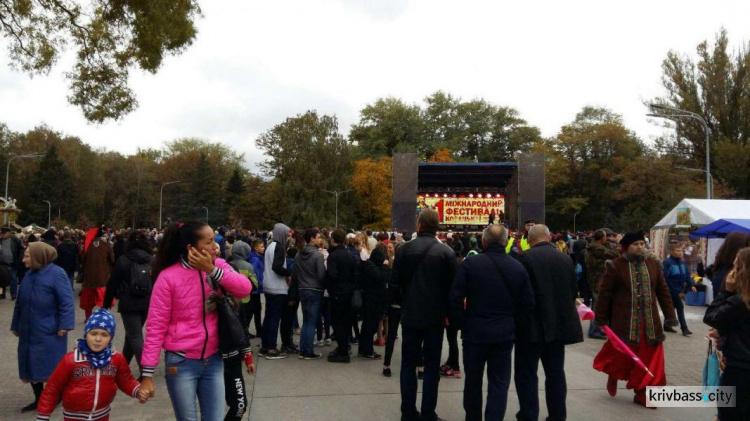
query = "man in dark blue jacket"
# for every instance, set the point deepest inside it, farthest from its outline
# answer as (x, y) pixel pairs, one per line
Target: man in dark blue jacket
(423, 271)
(554, 324)
(677, 275)
(499, 303)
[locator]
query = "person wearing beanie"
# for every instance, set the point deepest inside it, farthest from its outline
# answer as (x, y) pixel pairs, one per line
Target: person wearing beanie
(629, 290)
(89, 376)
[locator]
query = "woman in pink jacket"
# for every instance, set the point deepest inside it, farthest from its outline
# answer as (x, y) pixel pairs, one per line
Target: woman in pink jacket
(183, 321)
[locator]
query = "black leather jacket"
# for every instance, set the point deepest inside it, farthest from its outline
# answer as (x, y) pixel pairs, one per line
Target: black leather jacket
(729, 314)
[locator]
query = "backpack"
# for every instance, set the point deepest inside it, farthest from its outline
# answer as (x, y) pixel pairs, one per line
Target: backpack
(140, 279)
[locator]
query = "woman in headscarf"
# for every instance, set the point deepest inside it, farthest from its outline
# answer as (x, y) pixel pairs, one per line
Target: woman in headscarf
(42, 317)
(628, 294)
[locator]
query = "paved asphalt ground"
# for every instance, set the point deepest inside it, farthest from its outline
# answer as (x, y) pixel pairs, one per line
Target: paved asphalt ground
(294, 389)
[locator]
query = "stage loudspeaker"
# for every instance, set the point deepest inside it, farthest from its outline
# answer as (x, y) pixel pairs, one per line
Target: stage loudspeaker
(531, 188)
(404, 200)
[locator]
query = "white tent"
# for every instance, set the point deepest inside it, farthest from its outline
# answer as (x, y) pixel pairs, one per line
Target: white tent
(701, 212)
(704, 212)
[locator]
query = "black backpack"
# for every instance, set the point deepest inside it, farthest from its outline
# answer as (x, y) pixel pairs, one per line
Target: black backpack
(140, 279)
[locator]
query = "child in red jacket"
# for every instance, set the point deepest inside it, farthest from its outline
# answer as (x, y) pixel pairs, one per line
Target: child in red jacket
(88, 377)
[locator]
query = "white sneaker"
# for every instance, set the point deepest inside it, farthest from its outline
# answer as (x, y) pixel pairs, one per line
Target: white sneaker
(328, 342)
(320, 343)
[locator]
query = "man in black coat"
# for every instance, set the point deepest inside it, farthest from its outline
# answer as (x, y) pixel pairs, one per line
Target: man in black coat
(554, 325)
(499, 302)
(341, 280)
(423, 272)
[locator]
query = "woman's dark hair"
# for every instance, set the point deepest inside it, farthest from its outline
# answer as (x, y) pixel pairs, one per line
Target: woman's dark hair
(138, 240)
(173, 246)
(733, 243)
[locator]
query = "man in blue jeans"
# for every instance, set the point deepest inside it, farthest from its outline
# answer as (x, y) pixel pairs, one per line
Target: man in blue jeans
(308, 275)
(677, 276)
(423, 272)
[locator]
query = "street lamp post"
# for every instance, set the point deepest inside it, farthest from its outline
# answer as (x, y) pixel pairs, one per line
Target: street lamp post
(574, 221)
(337, 193)
(689, 114)
(7, 175)
(49, 213)
(711, 177)
(161, 198)
(206, 213)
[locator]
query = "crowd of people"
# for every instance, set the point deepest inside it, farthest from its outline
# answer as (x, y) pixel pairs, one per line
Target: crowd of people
(508, 294)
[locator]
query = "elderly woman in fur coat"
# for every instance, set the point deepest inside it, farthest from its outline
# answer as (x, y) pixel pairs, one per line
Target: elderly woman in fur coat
(628, 294)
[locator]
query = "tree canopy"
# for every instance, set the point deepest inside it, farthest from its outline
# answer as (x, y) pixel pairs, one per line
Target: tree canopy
(109, 38)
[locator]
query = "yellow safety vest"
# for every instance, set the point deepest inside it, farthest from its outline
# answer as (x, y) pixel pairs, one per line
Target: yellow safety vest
(525, 244)
(509, 246)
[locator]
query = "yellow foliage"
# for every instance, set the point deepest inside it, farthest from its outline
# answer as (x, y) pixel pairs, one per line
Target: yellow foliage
(371, 180)
(442, 155)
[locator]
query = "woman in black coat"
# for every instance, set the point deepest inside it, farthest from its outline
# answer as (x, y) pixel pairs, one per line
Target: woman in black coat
(133, 305)
(729, 313)
(375, 274)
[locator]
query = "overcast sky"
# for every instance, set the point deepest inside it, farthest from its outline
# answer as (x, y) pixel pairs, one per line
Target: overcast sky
(255, 63)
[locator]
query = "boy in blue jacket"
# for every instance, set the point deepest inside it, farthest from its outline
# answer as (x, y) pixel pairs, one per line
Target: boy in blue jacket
(254, 307)
(677, 275)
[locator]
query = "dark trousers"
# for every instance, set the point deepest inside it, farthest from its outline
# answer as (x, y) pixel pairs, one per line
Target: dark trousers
(133, 324)
(372, 310)
(272, 319)
(288, 313)
(452, 334)
(234, 388)
(324, 320)
(414, 341)
(342, 315)
(679, 307)
(394, 319)
(740, 378)
(497, 359)
(527, 358)
(253, 311)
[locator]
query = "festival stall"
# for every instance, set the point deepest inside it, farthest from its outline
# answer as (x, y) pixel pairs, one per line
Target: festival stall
(693, 216)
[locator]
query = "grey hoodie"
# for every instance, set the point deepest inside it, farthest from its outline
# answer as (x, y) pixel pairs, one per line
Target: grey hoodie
(276, 271)
(309, 269)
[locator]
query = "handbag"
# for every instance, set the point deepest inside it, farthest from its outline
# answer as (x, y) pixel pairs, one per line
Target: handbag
(233, 335)
(711, 372)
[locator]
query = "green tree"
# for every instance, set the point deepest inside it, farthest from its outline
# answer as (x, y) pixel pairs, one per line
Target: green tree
(52, 182)
(386, 126)
(109, 37)
(307, 155)
(716, 87)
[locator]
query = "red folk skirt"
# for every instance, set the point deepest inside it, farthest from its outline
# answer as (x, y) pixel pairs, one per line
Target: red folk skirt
(92, 297)
(620, 366)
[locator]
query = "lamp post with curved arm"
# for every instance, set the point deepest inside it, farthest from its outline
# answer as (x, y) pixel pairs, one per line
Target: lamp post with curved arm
(7, 175)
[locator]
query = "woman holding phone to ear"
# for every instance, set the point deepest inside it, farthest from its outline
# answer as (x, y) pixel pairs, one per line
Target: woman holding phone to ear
(184, 322)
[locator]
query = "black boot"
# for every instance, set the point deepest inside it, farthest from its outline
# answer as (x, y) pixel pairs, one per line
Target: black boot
(37, 387)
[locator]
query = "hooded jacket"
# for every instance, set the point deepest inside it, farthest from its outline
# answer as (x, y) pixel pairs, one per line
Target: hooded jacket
(118, 285)
(595, 259)
(276, 269)
(256, 260)
(309, 269)
(240, 251)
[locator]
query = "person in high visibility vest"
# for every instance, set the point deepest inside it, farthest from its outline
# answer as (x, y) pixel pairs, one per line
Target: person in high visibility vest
(524, 238)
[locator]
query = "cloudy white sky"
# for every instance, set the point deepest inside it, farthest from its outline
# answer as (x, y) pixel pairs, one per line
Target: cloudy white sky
(255, 63)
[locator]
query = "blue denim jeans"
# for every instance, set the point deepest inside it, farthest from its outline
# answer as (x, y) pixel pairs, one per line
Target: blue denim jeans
(311, 301)
(188, 379)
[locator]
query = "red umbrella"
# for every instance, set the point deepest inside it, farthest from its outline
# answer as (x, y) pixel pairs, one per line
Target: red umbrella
(90, 236)
(620, 346)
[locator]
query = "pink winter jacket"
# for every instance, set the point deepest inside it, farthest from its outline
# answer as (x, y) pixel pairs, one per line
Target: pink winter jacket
(177, 320)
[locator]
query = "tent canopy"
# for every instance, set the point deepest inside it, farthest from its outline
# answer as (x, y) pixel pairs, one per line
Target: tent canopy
(704, 212)
(721, 228)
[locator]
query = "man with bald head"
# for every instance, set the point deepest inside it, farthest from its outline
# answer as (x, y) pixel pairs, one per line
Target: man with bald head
(499, 302)
(554, 324)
